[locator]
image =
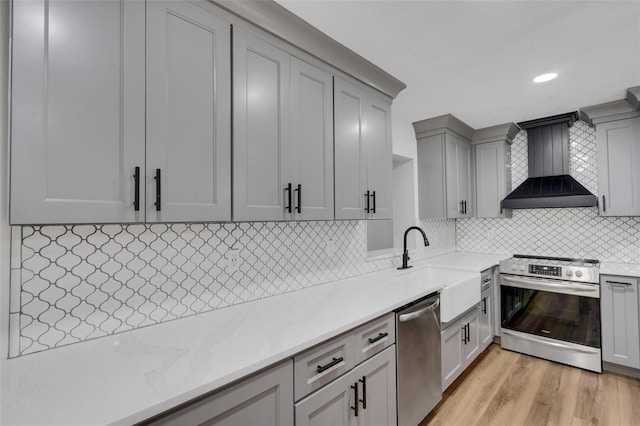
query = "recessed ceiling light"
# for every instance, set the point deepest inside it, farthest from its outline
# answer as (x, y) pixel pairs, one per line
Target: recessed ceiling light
(545, 77)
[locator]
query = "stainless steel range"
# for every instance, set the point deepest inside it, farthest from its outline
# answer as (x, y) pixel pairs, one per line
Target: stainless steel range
(550, 308)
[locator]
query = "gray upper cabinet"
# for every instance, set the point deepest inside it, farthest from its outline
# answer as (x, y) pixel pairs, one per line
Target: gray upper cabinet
(311, 141)
(261, 118)
(618, 145)
(77, 120)
(283, 134)
(620, 320)
(363, 154)
(492, 146)
(445, 176)
(188, 113)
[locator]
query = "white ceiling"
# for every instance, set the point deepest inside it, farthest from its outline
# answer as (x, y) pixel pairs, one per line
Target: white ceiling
(477, 59)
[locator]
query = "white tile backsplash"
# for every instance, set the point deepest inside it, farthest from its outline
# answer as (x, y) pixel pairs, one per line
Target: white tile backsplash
(86, 281)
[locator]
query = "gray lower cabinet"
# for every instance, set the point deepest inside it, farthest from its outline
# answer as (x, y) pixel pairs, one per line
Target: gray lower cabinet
(264, 399)
(620, 320)
(77, 111)
(363, 156)
(283, 134)
(460, 345)
(364, 396)
(188, 116)
(618, 153)
(485, 318)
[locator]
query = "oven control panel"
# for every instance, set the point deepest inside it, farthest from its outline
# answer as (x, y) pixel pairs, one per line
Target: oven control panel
(553, 271)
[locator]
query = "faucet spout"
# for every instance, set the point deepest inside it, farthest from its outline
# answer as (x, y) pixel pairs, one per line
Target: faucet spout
(405, 252)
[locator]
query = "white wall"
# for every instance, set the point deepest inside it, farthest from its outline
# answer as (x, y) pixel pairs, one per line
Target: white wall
(4, 180)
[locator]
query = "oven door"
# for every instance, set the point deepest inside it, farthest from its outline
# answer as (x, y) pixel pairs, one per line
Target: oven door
(554, 309)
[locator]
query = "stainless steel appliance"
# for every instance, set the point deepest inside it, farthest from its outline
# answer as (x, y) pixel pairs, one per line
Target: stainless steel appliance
(550, 308)
(419, 371)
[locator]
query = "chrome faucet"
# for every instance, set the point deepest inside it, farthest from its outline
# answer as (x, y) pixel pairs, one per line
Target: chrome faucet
(405, 253)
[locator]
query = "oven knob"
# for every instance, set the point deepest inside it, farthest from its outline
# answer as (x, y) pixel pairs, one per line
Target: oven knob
(578, 274)
(522, 267)
(513, 267)
(569, 272)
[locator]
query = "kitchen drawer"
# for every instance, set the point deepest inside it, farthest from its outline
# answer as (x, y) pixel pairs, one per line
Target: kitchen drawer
(374, 336)
(322, 364)
(486, 279)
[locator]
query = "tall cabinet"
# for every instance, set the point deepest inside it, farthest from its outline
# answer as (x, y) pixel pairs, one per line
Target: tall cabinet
(363, 156)
(283, 134)
(77, 111)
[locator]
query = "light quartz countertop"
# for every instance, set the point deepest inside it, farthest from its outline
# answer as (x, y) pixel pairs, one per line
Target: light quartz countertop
(129, 377)
(624, 269)
(464, 261)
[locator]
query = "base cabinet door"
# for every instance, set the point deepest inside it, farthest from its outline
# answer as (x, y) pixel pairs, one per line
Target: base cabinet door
(486, 325)
(377, 394)
(452, 353)
(472, 346)
(265, 399)
(620, 321)
(332, 405)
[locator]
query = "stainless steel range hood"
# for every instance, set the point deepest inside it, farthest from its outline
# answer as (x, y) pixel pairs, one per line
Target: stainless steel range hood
(549, 184)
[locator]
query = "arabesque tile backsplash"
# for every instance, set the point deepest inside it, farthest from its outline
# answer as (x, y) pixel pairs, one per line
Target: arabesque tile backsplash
(74, 283)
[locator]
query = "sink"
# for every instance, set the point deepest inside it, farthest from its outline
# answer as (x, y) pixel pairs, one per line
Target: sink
(458, 296)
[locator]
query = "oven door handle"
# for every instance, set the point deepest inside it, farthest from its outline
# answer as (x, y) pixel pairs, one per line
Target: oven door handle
(554, 344)
(548, 286)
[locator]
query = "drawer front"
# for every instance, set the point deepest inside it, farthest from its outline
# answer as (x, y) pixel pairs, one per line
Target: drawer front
(374, 336)
(486, 279)
(322, 364)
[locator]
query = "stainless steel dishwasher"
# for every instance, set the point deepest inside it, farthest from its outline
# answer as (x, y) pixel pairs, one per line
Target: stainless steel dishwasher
(418, 359)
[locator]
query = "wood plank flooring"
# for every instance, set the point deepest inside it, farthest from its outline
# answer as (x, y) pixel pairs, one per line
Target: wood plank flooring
(507, 388)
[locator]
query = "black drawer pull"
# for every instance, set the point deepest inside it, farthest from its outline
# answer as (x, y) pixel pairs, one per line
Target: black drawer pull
(364, 392)
(335, 361)
(484, 308)
(158, 191)
(380, 336)
(354, 407)
(136, 196)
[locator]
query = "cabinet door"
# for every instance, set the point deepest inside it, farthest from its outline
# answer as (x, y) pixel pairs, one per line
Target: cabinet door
(377, 143)
(452, 175)
(350, 168)
(491, 181)
(486, 323)
(77, 122)
(452, 353)
(188, 113)
(260, 128)
(618, 145)
(472, 347)
(376, 379)
(620, 321)
(331, 405)
(265, 399)
(465, 177)
(312, 141)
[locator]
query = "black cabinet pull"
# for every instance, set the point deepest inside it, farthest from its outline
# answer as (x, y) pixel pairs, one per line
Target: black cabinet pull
(461, 208)
(354, 407)
(136, 196)
(335, 361)
(364, 392)
(299, 190)
(288, 190)
(373, 195)
(484, 302)
(464, 334)
(468, 333)
(604, 204)
(158, 190)
(366, 197)
(380, 336)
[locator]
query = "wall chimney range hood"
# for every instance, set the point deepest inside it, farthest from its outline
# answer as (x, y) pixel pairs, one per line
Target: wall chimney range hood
(549, 184)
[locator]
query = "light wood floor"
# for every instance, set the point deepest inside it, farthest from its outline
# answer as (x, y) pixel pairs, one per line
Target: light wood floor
(507, 388)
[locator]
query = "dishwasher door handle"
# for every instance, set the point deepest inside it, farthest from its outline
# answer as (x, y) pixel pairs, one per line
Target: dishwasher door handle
(419, 313)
